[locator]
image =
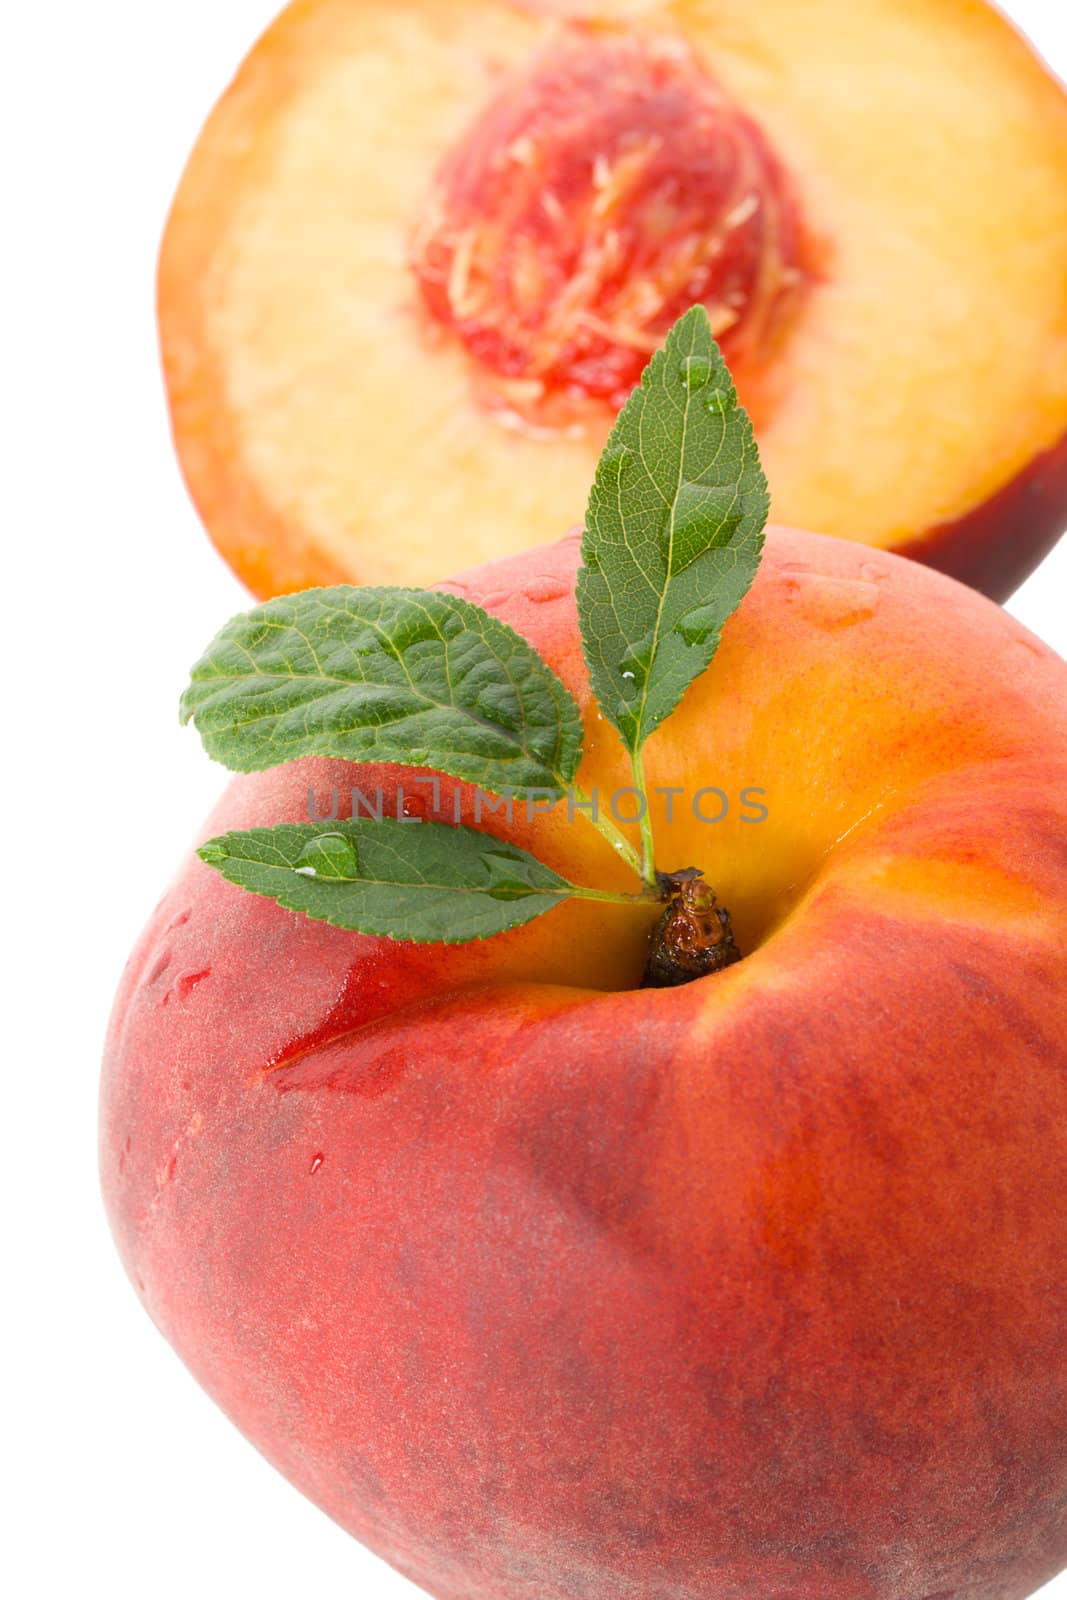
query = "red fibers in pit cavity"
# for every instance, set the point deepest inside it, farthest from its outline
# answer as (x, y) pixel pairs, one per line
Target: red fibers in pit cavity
(599, 196)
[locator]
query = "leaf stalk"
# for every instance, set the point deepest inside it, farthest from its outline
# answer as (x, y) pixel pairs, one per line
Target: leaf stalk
(610, 830)
(648, 844)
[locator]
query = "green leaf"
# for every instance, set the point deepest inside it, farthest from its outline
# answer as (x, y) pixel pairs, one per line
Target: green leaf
(674, 532)
(425, 882)
(404, 675)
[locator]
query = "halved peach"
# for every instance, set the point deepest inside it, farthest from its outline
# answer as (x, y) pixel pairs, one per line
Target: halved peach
(424, 247)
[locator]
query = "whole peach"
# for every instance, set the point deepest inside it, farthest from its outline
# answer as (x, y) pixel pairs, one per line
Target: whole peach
(551, 1288)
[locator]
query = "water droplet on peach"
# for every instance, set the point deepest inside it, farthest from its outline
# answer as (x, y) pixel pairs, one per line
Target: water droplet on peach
(544, 589)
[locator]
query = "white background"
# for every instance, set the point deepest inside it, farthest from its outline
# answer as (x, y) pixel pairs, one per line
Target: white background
(124, 1480)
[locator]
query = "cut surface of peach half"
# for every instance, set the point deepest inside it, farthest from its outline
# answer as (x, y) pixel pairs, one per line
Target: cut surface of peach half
(424, 248)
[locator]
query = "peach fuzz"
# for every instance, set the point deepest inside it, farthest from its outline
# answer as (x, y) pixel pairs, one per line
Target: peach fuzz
(546, 1287)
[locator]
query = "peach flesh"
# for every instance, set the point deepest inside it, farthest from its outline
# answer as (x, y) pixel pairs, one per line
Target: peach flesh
(882, 418)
